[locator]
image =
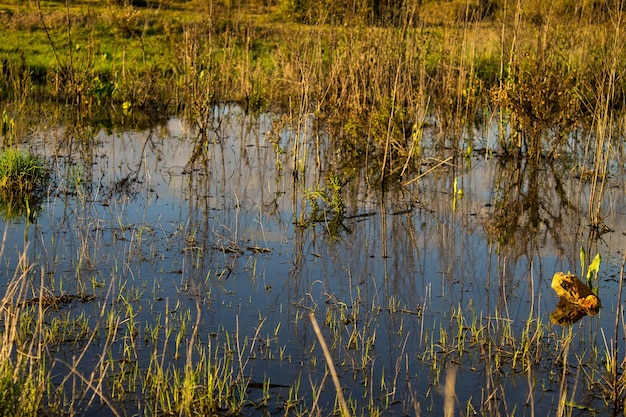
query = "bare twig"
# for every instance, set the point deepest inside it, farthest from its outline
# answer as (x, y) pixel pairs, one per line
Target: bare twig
(331, 367)
(445, 161)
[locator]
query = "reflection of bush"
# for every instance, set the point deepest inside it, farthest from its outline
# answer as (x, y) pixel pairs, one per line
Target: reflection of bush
(530, 203)
(23, 179)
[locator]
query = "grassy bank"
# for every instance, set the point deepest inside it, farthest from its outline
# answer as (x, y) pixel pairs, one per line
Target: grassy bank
(548, 66)
(550, 78)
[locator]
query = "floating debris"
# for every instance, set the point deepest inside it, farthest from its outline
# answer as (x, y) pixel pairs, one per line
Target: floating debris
(576, 299)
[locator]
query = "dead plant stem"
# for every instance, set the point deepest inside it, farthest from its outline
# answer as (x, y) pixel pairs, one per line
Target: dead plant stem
(390, 125)
(618, 312)
(345, 411)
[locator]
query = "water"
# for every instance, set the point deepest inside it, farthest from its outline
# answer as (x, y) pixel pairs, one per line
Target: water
(165, 225)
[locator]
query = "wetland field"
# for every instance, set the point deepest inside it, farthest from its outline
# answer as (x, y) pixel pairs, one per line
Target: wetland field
(311, 208)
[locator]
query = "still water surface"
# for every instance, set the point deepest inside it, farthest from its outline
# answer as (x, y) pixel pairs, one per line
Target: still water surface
(165, 221)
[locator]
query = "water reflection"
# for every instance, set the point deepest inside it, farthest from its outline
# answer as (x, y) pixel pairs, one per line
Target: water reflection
(531, 204)
(207, 227)
(567, 313)
(21, 206)
(576, 299)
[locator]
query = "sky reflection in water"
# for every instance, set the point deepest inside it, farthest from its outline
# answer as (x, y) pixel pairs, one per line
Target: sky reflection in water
(133, 211)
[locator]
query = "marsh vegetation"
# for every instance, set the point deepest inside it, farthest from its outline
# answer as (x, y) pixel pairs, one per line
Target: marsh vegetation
(311, 208)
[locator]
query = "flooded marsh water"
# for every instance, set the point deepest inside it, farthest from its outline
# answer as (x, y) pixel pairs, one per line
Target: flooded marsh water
(204, 254)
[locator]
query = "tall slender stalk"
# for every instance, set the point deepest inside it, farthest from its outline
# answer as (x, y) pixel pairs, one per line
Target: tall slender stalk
(604, 124)
(331, 366)
(618, 314)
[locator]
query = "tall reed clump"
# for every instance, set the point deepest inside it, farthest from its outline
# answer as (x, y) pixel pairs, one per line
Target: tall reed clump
(24, 377)
(358, 80)
(379, 71)
(608, 93)
(538, 91)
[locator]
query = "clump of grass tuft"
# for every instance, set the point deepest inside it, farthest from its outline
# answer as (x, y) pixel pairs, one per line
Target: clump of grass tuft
(21, 171)
(23, 178)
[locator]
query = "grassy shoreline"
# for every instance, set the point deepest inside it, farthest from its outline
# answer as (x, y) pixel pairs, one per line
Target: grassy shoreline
(438, 55)
(373, 79)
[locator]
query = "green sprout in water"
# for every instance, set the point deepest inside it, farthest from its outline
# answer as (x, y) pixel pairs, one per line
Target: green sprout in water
(457, 193)
(23, 179)
(594, 267)
(327, 206)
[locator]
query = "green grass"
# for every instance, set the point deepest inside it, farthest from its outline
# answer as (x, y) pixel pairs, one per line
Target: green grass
(543, 72)
(246, 44)
(23, 178)
(21, 172)
(377, 84)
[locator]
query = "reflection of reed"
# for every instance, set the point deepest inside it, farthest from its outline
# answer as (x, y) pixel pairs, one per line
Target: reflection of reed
(413, 276)
(530, 205)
